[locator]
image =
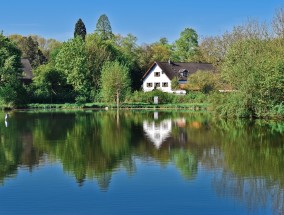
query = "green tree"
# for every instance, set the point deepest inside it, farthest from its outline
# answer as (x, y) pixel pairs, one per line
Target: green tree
(103, 27)
(115, 81)
(98, 52)
(254, 69)
(46, 46)
(175, 83)
(50, 85)
(80, 29)
(163, 41)
(161, 52)
(30, 50)
(12, 91)
(186, 45)
(145, 57)
(72, 61)
(129, 49)
(205, 81)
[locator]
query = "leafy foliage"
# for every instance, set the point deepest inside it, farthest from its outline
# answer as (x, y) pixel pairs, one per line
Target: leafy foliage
(175, 83)
(203, 81)
(186, 45)
(50, 85)
(30, 50)
(254, 68)
(72, 61)
(115, 82)
(12, 91)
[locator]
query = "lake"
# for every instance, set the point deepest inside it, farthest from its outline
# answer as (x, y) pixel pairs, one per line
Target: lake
(139, 162)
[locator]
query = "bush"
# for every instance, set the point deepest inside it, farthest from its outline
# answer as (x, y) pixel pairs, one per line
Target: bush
(165, 98)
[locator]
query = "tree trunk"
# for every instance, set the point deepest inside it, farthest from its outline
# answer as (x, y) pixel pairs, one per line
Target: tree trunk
(117, 99)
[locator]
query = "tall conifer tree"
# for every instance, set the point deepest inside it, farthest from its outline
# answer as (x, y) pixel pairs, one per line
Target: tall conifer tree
(103, 27)
(80, 29)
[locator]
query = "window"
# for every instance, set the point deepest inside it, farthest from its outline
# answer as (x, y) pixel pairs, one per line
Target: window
(149, 84)
(183, 73)
(165, 84)
(157, 84)
(157, 74)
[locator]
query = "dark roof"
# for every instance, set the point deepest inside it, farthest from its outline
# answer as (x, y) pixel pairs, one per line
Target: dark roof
(27, 69)
(173, 69)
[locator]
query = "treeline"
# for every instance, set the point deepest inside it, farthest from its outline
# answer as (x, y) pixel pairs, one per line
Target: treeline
(97, 66)
(103, 66)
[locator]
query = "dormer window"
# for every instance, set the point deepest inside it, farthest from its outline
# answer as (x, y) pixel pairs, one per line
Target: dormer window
(157, 74)
(183, 73)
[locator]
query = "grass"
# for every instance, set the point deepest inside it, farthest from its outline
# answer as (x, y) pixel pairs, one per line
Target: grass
(134, 105)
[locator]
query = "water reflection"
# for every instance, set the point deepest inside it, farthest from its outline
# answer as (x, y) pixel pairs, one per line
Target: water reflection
(158, 132)
(246, 157)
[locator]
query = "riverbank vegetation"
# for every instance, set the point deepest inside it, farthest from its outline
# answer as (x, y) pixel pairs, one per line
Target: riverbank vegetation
(248, 60)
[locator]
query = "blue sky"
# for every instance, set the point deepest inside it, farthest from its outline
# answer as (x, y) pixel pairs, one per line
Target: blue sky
(148, 20)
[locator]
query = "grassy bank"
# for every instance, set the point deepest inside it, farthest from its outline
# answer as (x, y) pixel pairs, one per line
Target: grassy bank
(191, 106)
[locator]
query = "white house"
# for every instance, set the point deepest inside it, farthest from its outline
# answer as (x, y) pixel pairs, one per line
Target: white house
(160, 75)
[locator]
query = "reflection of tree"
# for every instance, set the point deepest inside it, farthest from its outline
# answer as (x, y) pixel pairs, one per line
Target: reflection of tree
(104, 180)
(16, 146)
(255, 192)
(93, 147)
(249, 156)
(114, 138)
(186, 162)
(252, 158)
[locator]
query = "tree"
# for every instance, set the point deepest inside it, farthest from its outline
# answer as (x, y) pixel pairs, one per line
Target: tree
(46, 46)
(145, 57)
(72, 61)
(163, 41)
(129, 49)
(115, 82)
(175, 83)
(80, 29)
(50, 85)
(186, 45)
(12, 91)
(254, 68)
(205, 81)
(98, 52)
(103, 27)
(215, 49)
(160, 53)
(30, 50)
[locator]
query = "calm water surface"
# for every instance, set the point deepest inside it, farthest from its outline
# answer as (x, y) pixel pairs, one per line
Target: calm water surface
(134, 162)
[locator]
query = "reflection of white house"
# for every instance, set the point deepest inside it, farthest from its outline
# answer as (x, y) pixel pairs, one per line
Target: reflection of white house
(160, 74)
(158, 132)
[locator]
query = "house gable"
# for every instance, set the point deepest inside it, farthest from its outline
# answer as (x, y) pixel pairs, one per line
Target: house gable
(156, 78)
